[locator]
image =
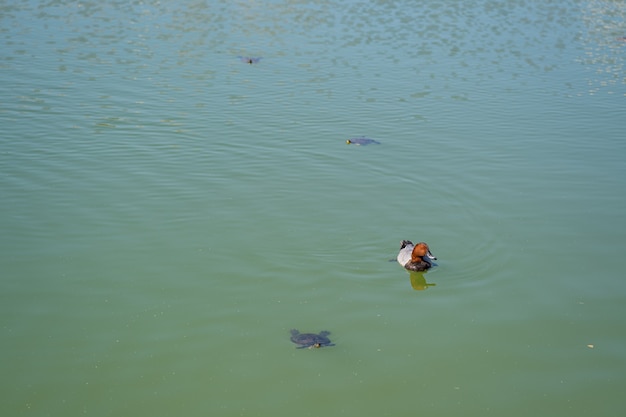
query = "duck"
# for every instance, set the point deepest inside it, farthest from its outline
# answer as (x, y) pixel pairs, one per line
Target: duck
(415, 257)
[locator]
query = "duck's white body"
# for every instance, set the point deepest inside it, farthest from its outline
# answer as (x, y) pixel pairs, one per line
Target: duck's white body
(404, 255)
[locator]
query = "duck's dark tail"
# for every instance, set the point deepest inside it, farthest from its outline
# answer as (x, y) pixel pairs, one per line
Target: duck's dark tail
(404, 243)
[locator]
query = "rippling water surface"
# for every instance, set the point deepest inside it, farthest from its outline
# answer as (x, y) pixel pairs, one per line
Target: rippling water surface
(169, 212)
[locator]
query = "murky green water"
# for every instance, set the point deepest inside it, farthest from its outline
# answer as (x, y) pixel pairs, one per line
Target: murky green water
(169, 212)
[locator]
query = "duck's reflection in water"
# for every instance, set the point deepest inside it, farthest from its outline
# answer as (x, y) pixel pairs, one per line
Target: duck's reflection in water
(418, 281)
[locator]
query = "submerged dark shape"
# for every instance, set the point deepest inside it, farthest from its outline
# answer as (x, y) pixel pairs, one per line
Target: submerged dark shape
(310, 340)
(250, 59)
(361, 141)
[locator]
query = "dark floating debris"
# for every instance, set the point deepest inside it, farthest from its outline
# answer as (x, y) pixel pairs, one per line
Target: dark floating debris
(250, 59)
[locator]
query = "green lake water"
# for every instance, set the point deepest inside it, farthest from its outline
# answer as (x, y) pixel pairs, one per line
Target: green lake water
(168, 212)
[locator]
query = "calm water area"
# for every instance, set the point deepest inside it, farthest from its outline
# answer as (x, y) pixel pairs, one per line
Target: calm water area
(169, 211)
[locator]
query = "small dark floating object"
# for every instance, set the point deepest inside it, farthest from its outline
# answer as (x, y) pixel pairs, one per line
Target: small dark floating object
(250, 59)
(310, 340)
(361, 141)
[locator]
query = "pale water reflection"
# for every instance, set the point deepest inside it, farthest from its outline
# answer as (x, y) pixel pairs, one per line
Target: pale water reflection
(604, 46)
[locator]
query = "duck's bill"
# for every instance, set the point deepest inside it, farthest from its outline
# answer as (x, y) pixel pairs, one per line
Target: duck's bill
(431, 256)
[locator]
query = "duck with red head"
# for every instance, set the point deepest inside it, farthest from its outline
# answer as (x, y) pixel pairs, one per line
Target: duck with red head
(415, 257)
